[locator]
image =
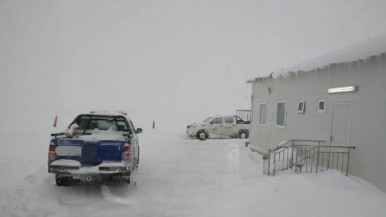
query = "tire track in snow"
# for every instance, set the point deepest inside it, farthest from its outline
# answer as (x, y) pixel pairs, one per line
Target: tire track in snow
(111, 197)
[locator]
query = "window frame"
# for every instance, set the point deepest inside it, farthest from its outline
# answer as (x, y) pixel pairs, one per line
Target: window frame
(95, 117)
(285, 114)
(265, 114)
(222, 120)
(318, 101)
(229, 118)
(303, 109)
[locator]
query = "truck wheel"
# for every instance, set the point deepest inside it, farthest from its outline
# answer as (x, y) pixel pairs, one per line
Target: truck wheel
(137, 159)
(202, 135)
(107, 178)
(63, 181)
(126, 178)
(243, 135)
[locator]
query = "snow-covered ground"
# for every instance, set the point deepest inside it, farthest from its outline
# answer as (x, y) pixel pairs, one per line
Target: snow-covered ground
(175, 62)
(179, 177)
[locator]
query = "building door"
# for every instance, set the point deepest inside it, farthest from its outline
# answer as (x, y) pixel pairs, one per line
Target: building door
(340, 124)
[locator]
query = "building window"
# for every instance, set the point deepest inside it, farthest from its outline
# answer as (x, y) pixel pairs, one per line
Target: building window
(263, 114)
(301, 106)
(321, 106)
(281, 114)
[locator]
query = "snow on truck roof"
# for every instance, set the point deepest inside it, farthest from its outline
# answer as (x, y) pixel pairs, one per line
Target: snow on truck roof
(109, 113)
(362, 50)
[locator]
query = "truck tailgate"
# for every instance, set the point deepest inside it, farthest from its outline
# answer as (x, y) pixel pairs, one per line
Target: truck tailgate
(89, 152)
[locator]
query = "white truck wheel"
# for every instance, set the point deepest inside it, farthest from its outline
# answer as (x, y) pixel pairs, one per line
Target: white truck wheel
(243, 135)
(202, 135)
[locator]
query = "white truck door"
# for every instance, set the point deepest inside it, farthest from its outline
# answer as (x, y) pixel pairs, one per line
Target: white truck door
(216, 126)
(229, 126)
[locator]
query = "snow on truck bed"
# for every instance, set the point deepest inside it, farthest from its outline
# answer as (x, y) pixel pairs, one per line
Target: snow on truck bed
(98, 135)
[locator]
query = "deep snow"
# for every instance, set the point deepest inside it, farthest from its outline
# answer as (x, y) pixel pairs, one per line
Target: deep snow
(180, 177)
(165, 60)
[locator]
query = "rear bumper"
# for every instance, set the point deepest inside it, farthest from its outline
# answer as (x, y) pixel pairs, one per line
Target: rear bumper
(72, 167)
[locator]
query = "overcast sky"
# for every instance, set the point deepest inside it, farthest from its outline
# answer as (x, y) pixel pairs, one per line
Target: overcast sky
(163, 57)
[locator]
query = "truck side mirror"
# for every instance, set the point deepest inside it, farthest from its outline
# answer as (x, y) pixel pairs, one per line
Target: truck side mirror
(138, 130)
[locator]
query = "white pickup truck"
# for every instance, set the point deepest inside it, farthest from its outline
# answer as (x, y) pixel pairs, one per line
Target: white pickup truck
(232, 126)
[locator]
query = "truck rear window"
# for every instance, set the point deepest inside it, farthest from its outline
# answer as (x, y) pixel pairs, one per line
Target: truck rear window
(90, 122)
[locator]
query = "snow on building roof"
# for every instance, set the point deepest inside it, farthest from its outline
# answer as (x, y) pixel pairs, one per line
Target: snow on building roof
(362, 50)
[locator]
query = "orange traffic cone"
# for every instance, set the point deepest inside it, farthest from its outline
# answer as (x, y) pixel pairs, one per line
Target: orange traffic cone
(55, 121)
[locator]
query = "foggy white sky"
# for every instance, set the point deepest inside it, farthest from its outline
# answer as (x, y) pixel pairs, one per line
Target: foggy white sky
(171, 56)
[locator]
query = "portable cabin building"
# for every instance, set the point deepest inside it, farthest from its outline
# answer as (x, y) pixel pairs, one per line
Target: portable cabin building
(339, 98)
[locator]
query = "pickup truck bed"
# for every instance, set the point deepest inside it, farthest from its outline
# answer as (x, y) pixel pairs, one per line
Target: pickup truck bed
(85, 152)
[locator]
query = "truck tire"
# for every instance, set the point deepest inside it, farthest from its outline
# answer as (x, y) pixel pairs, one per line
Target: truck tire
(126, 177)
(63, 180)
(202, 135)
(128, 180)
(243, 134)
(137, 159)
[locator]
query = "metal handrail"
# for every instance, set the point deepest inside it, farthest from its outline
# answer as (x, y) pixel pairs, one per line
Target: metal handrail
(285, 147)
(291, 142)
(311, 155)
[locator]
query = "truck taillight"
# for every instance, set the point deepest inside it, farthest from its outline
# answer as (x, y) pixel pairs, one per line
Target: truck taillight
(126, 155)
(51, 152)
(52, 147)
(127, 149)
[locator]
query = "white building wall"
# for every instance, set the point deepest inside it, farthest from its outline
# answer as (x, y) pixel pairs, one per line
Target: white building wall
(368, 112)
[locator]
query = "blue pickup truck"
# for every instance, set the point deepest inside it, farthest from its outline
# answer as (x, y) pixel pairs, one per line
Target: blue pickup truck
(96, 146)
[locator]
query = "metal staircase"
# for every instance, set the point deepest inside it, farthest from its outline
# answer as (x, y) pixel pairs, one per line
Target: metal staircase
(307, 156)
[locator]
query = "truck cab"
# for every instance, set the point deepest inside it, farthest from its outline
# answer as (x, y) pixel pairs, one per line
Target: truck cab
(231, 126)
